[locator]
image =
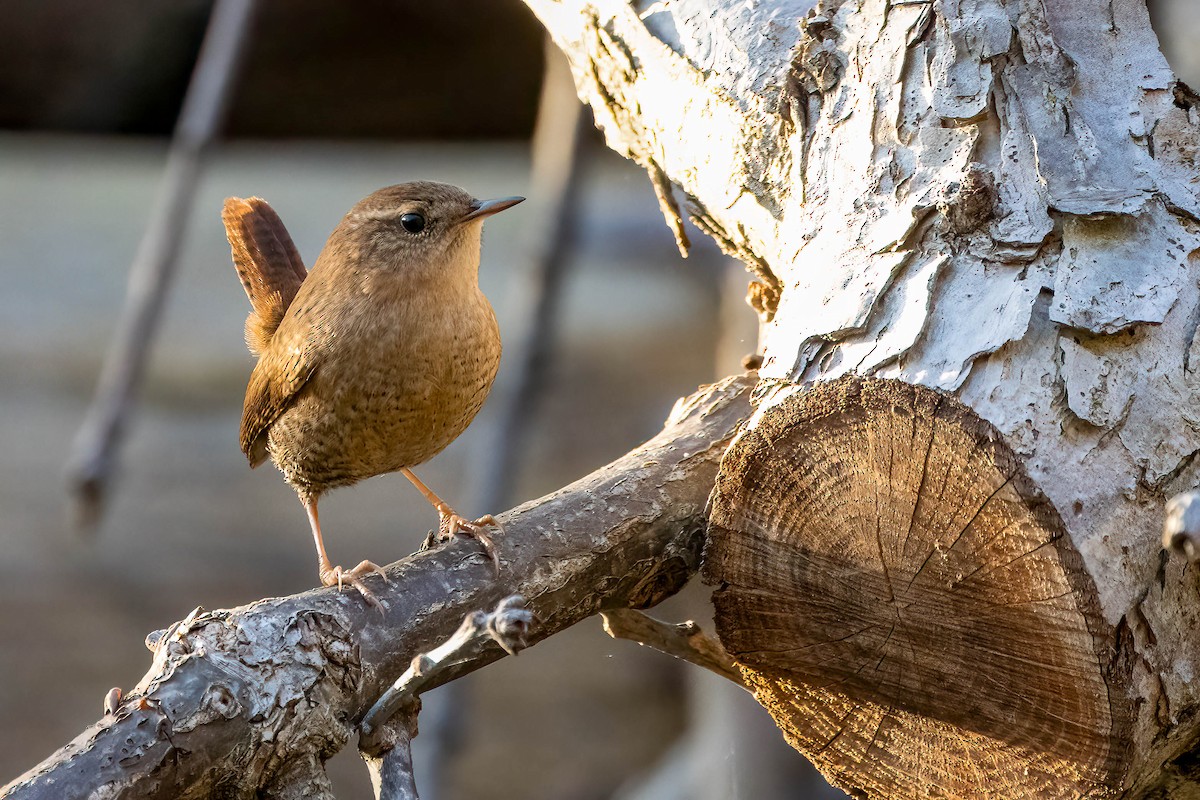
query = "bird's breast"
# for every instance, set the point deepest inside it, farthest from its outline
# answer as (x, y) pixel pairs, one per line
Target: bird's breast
(397, 387)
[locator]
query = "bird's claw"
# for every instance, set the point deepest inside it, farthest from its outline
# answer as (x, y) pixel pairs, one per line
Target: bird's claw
(336, 576)
(451, 523)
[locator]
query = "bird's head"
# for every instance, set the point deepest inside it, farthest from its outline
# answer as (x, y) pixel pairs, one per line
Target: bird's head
(419, 229)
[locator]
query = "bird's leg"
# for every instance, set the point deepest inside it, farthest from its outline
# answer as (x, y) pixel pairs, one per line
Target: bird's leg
(336, 576)
(451, 522)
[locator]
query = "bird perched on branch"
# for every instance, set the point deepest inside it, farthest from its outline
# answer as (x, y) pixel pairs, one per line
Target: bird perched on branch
(375, 360)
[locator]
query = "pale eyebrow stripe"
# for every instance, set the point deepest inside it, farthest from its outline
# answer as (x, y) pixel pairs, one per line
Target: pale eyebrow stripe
(385, 214)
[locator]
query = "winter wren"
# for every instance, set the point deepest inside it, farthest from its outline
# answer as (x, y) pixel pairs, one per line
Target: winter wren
(375, 360)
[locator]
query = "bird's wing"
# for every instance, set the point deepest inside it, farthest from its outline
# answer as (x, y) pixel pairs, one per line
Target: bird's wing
(267, 262)
(280, 374)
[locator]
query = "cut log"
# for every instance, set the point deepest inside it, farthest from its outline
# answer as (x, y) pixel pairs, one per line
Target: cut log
(907, 604)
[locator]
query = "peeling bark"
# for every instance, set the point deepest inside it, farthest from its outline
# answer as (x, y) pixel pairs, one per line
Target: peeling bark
(255, 699)
(996, 198)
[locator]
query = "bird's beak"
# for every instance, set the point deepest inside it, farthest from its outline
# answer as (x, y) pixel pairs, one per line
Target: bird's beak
(485, 208)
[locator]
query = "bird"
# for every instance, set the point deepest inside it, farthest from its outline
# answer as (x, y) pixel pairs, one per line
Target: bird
(376, 359)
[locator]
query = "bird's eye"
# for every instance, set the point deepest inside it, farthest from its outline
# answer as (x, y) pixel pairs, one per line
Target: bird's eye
(412, 222)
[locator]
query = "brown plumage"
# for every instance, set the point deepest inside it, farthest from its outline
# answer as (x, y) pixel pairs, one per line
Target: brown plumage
(379, 357)
(267, 262)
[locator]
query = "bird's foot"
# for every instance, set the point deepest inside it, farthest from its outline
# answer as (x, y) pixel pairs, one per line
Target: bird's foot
(451, 523)
(336, 576)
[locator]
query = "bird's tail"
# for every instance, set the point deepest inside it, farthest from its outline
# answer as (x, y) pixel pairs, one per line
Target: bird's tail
(267, 262)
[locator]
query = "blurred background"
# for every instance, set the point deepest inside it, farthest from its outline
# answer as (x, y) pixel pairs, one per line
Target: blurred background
(332, 101)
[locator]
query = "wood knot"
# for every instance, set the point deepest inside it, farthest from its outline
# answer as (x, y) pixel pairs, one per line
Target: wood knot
(969, 204)
(763, 299)
(817, 66)
(678, 565)
(906, 603)
(1184, 96)
(218, 702)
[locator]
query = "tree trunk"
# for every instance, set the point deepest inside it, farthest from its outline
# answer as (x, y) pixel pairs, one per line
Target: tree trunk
(995, 199)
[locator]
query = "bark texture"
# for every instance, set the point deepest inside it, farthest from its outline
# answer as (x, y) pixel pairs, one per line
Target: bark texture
(995, 198)
(250, 702)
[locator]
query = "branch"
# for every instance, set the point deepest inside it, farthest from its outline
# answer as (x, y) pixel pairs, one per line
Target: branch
(389, 760)
(686, 641)
(235, 699)
(507, 626)
(387, 731)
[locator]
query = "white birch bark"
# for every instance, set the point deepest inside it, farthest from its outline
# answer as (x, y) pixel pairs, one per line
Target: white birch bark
(997, 198)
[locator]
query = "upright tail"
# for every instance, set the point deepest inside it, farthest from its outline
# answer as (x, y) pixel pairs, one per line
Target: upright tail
(267, 262)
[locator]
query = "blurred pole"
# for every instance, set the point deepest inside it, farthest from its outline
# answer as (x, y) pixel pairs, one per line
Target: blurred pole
(95, 450)
(535, 292)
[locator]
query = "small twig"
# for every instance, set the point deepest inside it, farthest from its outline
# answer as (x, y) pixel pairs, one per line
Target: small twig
(389, 754)
(94, 450)
(508, 626)
(112, 701)
(665, 192)
(685, 641)
(1181, 525)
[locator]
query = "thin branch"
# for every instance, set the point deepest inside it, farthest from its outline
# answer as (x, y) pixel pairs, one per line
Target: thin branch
(507, 626)
(389, 759)
(233, 697)
(387, 730)
(94, 451)
(684, 640)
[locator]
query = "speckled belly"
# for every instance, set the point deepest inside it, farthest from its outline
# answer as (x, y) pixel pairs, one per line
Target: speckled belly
(399, 407)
